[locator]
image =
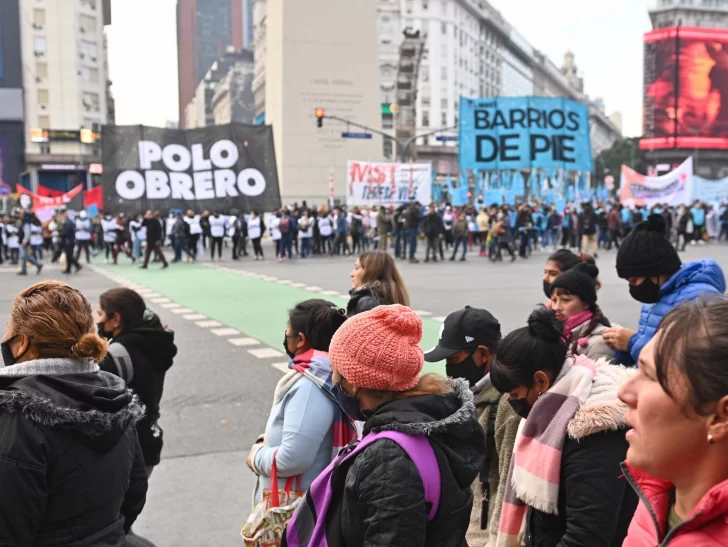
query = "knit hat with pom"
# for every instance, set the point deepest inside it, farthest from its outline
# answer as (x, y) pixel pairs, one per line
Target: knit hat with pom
(379, 349)
(646, 252)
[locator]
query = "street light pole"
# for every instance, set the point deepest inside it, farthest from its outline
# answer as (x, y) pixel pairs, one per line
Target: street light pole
(409, 142)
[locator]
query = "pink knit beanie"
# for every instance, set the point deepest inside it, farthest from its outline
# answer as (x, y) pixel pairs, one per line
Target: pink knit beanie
(379, 349)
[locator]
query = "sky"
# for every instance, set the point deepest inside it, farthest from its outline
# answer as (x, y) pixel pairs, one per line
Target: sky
(605, 36)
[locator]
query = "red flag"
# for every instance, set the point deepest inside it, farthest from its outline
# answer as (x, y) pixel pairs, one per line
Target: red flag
(95, 196)
(47, 192)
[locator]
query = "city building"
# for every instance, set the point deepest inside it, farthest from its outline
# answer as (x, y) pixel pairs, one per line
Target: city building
(65, 88)
(231, 67)
(471, 51)
(318, 53)
(690, 13)
(205, 30)
(12, 140)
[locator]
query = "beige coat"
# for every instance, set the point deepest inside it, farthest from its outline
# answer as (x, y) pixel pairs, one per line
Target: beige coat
(506, 427)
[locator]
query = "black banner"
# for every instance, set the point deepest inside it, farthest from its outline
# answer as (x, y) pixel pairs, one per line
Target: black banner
(223, 167)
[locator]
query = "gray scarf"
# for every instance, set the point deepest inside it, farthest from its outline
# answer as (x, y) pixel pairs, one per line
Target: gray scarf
(49, 367)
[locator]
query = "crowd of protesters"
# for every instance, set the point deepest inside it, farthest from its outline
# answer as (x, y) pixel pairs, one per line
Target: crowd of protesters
(444, 232)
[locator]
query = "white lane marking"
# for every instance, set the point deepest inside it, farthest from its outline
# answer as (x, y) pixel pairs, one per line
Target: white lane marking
(243, 341)
(194, 316)
(285, 281)
(265, 353)
(269, 278)
(438, 319)
(330, 293)
(161, 300)
(314, 289)
(170, 305)
(209, 323)
(225, 331)
(298, 285)
(344, 296)
(283, 367)
(423, 313)
(148, 295)
(180, 311)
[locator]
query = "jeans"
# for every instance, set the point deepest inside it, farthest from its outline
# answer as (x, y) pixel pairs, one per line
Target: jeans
(27, 257)
(286, 245)
(136, 248)
(463, 240)
(37, 252)
(400, 243)
(305, 247)
(412, 237)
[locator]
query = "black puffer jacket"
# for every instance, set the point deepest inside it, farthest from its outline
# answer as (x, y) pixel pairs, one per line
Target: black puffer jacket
(71, 468)
(151, 352)
(383, 501)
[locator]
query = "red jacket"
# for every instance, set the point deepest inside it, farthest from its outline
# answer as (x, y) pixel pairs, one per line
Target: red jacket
(706, 527)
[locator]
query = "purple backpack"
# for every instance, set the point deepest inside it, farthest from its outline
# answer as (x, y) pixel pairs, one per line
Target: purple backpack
(307, 528)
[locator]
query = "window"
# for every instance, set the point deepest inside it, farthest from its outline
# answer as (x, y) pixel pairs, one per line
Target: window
(88, 24)
(425, 101)
(89, 50)
(89, 3)
(45, 148)
(39, 44)
(443, 73)
(443, 104)
(425, 75)
(90, 74)
(91, 101)
(425, 118)
(443, 121)
(387, 122)
(424, 4)
(43, 97)
(425, 141)
(443, 27)
(39, 18)
(444, 50)
(387, 148)
(44, 122)
(41, 69)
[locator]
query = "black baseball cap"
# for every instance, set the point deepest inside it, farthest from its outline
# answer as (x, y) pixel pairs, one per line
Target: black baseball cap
(465, 329)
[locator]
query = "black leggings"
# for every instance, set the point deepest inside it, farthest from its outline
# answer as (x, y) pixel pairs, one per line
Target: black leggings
(256, 247)
(85, 245)
(216, 242)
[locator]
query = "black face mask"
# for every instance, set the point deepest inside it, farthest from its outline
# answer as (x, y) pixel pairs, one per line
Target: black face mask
(349, 404)
(103, 333)
(291, 354)
(467, 370)
(8, 358)
(521, 406)
(647, 293)
(547, 289)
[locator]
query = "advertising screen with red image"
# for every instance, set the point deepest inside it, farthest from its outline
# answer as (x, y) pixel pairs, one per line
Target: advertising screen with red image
(686, 88)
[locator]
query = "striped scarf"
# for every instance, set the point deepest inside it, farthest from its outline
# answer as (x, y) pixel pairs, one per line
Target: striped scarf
(534, 473)
(315, 366)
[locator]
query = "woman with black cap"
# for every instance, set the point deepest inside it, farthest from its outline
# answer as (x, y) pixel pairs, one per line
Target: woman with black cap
(657, 278)
(574, 299)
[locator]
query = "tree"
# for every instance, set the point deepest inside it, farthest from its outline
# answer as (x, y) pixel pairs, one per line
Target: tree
(622, 152)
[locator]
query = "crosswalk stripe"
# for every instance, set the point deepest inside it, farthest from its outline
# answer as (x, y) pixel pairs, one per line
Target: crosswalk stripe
(265, 353)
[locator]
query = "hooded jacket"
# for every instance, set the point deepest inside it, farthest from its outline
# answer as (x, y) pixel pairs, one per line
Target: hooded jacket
(367, 298)
(707, 526)
(383, 501)
(593, 345)
(595, 502)
(71, 468)
(141, 357)
(690, 282)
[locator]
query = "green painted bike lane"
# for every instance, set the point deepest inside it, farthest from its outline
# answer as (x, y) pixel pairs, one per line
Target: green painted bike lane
(256, 307)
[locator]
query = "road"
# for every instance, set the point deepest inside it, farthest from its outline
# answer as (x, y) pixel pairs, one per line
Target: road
(229, 320)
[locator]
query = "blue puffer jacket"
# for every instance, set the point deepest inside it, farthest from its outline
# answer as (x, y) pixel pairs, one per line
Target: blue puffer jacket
(693, 279)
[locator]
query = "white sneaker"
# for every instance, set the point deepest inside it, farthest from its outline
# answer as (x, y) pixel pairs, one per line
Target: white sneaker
(692, 242)
(701, 242)
(106, 260)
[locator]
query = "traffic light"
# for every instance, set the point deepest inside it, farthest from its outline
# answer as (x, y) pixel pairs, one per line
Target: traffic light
(320, 117)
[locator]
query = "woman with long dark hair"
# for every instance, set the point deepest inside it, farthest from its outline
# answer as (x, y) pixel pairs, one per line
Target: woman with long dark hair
(375, 281)
(564, 485)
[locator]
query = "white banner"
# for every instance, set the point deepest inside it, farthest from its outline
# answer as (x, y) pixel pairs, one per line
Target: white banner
(373, 183)
(673, 188)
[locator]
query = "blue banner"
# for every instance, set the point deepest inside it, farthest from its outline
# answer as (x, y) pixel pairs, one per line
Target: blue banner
(493, 196)
(524, 132)
(710, 191)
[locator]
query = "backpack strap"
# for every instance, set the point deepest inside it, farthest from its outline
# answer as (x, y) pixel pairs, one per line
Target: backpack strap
(122, 360)
(421, 453)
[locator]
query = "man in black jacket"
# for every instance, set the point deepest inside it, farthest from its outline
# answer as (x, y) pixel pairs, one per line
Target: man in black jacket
(153, 224)
(412, 221)
(433, 228)
(68, 241)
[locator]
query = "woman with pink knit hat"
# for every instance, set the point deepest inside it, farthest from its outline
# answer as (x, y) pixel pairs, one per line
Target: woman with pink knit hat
(384, 496)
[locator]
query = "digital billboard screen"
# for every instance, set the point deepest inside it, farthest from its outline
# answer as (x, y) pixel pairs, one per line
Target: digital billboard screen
(685, 88)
